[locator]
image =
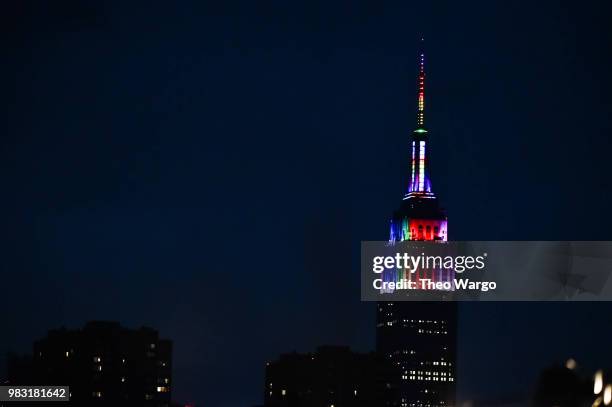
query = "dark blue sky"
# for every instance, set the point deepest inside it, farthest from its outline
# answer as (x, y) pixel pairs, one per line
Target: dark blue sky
(209, 170)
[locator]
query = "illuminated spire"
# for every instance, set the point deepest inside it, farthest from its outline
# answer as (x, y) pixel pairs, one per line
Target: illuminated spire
(421, 89)
(420, 184)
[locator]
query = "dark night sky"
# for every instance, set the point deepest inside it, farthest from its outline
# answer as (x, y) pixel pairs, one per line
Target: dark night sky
(209, 170)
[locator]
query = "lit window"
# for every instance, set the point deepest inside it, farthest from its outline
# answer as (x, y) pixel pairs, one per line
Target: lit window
(97, 394)
(283, 392)
(162, 389)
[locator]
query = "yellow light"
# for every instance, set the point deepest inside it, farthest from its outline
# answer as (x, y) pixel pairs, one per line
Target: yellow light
(598, 385)
(570, 364)
(608, 395)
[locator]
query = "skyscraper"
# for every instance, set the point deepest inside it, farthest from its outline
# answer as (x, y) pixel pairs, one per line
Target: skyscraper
(419, 337)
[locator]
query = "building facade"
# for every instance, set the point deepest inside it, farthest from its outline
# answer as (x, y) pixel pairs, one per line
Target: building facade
(103, 363)
(419, 337)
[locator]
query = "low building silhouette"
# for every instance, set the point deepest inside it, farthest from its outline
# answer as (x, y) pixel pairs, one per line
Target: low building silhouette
(333, 376)
(103, 363)
(561, 386)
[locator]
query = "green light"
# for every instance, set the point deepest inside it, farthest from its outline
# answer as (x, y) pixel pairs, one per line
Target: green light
(420, 131)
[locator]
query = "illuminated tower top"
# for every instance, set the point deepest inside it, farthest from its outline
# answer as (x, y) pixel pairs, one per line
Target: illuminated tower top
(420, 183)
(421, 92)
(419, 216)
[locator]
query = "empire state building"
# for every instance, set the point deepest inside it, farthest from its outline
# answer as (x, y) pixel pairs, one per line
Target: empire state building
(419, 337)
